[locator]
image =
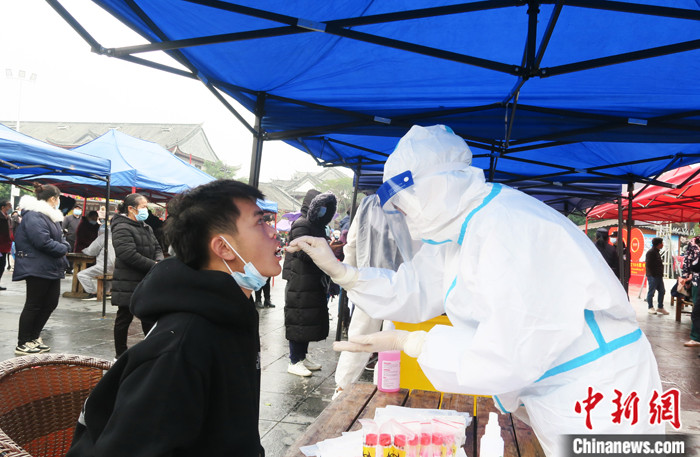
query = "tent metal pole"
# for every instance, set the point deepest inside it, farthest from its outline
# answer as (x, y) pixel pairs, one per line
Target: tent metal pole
(106, 250)
(343, 296)
(620, 257)
(628, 259)
(94, 45)
(258, 138)
(663, 11)
(533, 11)
(620, 58)
(157, 66)
(355, 190)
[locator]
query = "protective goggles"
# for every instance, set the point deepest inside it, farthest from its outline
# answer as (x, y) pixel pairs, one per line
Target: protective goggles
(396, 219)
(393, 186)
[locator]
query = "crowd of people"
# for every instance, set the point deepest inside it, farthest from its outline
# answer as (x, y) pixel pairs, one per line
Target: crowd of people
(686, 287)
(39, 239)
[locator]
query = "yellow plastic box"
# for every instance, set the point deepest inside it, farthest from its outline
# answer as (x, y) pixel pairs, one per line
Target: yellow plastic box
(412, 377)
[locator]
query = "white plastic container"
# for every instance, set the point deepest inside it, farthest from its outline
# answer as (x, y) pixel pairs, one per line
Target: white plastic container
(491, 444)
(389, 371)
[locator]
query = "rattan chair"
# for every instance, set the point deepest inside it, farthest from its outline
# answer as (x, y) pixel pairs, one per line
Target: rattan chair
(40, 400)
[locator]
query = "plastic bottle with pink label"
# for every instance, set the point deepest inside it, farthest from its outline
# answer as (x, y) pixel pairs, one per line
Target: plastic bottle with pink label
(389, 371)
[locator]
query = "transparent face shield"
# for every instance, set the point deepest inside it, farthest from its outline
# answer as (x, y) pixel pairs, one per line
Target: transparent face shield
(396, 214)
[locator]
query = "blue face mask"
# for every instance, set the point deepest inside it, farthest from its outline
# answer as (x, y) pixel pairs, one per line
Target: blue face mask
(93, 222)
(142, 215)
(251, 278)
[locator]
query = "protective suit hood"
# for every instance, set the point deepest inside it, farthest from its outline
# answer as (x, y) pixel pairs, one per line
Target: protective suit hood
(444, 184)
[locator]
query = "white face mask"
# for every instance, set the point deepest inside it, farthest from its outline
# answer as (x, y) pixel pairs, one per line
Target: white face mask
(251, 278)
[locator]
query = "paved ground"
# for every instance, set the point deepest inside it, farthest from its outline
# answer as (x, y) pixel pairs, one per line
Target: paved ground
(290, 403)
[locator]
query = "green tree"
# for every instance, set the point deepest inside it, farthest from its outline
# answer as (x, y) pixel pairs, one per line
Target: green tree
(577, 218)
(5, 191)
(220, 170)
(342, 189)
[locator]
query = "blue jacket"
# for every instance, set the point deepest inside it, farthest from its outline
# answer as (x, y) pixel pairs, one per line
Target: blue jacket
(39, 242)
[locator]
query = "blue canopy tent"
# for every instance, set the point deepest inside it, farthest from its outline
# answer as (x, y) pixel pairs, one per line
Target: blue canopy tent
(268, 206)
(23, 158)
(137, 166)
(522, 81)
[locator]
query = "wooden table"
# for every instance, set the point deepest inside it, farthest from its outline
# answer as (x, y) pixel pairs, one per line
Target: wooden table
(80, 262)
(361, 400)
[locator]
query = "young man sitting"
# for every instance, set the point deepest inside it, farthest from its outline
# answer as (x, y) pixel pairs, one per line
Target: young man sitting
(192, 387)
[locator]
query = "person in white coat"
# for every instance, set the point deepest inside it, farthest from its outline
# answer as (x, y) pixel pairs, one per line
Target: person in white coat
(88, 277)
(538, 317)
(370, 244)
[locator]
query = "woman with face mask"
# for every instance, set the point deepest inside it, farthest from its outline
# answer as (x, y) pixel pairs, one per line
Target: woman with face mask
(40, 260)
(137, 251)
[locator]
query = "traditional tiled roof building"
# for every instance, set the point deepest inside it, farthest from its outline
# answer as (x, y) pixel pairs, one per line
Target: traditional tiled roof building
(187, 141)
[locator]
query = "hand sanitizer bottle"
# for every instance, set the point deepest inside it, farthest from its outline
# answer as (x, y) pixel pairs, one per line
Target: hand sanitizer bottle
(491, 443)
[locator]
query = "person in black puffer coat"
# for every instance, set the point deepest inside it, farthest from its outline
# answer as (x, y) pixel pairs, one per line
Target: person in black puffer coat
(305, 308)
(41, 260)
(137, 251)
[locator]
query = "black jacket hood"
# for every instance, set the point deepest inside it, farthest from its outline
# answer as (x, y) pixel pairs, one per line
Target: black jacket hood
(317, 214)
(308, 198)
(171, 287)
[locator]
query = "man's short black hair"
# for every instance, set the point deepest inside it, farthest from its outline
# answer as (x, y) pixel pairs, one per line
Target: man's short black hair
(93, 213)
(194, 215)
(657, 241)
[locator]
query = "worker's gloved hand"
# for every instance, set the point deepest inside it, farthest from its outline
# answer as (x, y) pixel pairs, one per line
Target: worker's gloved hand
(393, 340)
(320, 252)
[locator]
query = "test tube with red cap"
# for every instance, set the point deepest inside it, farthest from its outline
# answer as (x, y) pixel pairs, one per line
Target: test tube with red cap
(413, 446)
(438, 447)
(426, 449)
(400, 445)
(369, 447)
(385, 446)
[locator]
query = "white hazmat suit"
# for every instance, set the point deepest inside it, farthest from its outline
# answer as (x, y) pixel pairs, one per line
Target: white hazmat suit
(538, 317)
(369, 244)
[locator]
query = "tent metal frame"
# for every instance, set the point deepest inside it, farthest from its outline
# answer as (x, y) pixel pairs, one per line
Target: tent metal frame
(504, 149)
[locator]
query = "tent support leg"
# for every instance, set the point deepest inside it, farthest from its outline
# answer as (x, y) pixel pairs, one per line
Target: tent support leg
(258, 138)
(106, 247)
(620, 255)
(628, 260)
(343, 304)
(353, 208)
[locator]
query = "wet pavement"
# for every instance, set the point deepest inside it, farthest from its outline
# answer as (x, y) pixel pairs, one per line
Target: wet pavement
(290, 403)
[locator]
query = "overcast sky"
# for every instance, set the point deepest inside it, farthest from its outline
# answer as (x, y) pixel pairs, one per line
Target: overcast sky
(74, 84)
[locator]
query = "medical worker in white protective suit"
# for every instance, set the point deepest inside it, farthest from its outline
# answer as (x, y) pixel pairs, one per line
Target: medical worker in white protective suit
(538, 316)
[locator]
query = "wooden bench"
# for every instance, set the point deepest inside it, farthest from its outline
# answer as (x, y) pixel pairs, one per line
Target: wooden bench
(80, 262)
(101, 279)
(362, 399)
(679, 303)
